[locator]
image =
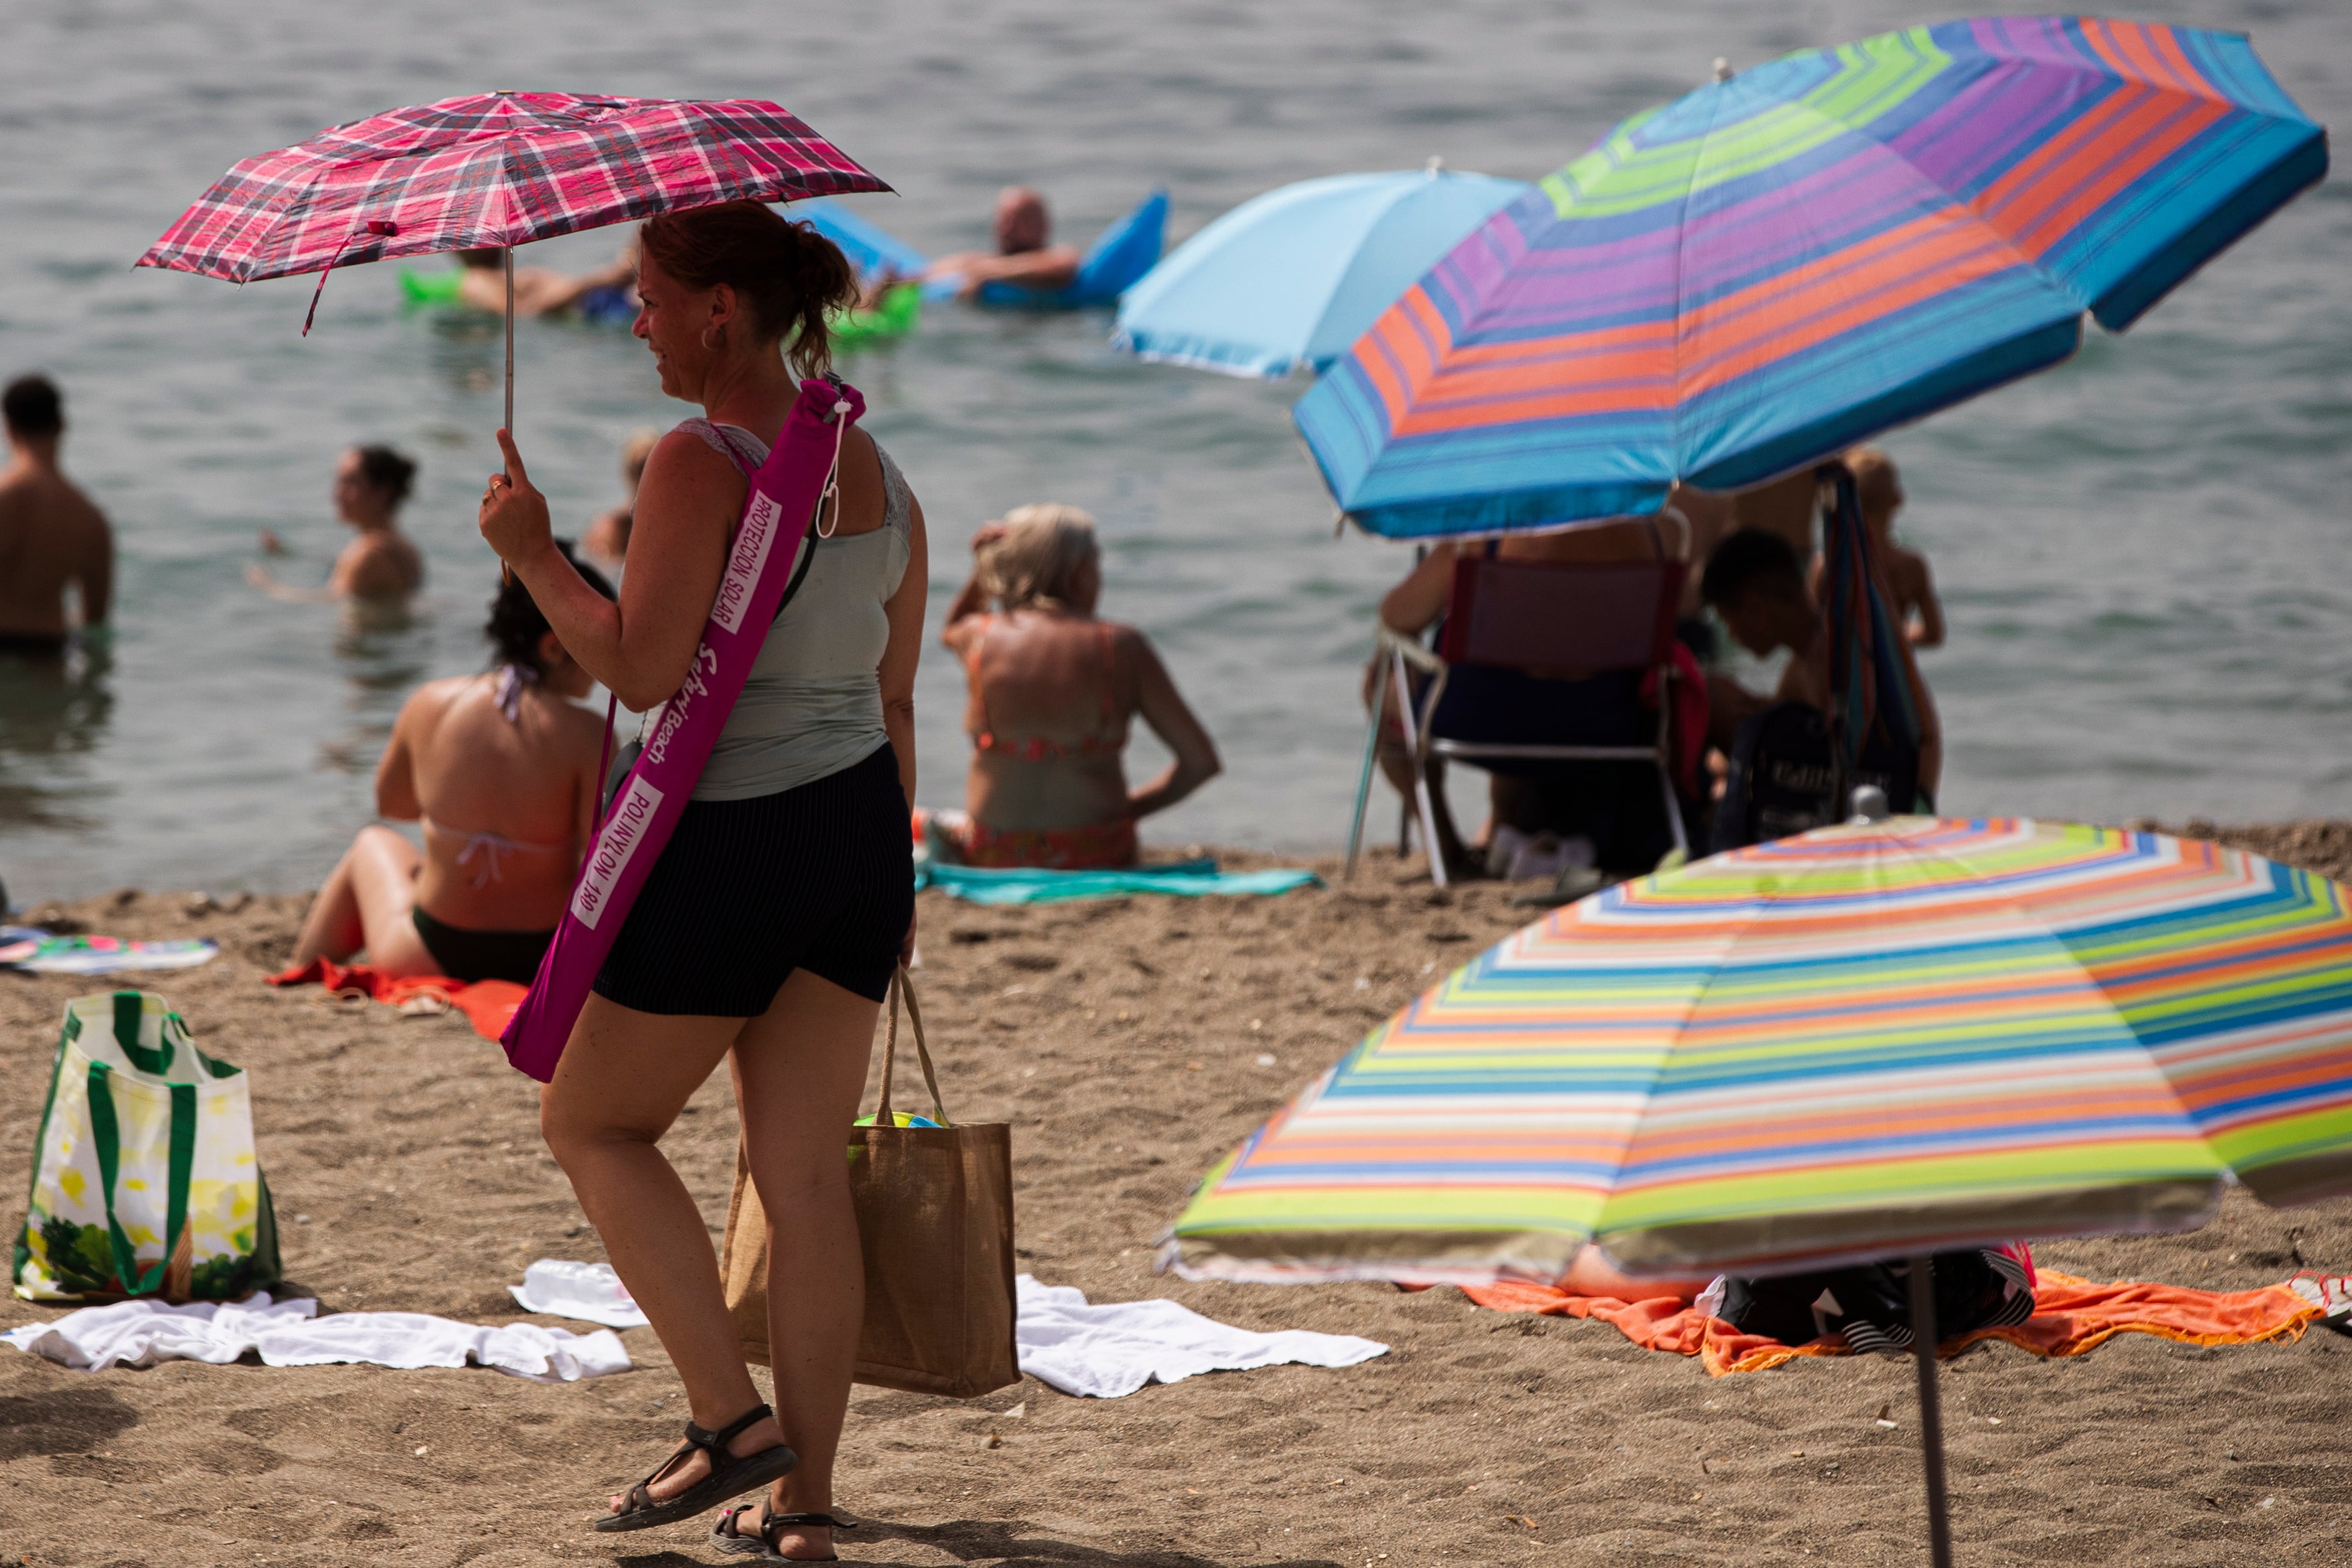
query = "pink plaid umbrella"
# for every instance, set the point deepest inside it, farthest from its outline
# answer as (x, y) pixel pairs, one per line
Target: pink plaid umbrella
(494, 169)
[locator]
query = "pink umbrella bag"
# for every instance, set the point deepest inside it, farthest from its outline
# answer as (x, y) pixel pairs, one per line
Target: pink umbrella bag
(783, 497)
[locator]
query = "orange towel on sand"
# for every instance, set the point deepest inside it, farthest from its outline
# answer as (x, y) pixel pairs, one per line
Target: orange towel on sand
(487, 1003)
(2070, 1316)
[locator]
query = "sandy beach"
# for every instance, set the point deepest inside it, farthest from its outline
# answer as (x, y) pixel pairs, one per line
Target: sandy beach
(1125, 1041)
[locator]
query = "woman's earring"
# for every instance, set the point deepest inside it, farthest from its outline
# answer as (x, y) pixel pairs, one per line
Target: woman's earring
(708, 345)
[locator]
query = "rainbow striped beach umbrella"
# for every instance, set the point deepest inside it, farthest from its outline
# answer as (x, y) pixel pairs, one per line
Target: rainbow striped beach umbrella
(1783, 263)
(1871, 1040)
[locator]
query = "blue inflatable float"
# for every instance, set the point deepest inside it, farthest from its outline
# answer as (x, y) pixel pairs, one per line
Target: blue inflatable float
(1119, 256)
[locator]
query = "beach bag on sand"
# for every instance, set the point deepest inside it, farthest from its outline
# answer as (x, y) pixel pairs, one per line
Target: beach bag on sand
(935, 1222)
(144, 1180)
(1869, 1304)
(1783, 778)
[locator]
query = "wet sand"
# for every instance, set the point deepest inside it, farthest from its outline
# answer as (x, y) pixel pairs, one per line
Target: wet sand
(1124, 1041)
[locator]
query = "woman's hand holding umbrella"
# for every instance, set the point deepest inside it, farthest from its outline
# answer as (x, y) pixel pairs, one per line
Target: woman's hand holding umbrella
(513, 517)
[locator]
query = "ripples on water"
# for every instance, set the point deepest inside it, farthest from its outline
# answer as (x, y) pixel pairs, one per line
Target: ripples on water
(2143, 552)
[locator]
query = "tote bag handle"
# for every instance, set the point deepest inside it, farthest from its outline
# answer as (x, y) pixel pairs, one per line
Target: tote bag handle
(902, 988)
(106, 1130)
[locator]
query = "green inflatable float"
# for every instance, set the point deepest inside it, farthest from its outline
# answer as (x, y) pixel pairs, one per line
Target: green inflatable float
(892, 317)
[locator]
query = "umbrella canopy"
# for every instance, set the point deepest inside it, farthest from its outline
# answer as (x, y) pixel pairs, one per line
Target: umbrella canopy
(1777, 266)
(1295, 276)
(1868, 1040)
(494, 169)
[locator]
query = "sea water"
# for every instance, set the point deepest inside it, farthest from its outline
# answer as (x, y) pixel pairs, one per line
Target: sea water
(2144, 554)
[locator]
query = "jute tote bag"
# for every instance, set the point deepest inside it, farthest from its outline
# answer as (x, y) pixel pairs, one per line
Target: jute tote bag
(935, 1220)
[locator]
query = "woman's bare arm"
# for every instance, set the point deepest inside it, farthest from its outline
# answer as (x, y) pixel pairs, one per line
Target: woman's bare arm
(1172, 719)
(971, 599)
(395, 775)
(1415, 604)
(640, 647)
(1922, 592)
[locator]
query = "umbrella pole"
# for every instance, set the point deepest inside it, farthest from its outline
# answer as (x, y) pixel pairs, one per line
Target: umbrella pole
(1381, 660)
(510, 425)
(506, 572)
(1931, 1409)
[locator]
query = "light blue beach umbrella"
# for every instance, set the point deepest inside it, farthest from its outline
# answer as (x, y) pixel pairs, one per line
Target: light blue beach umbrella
(1296, 275)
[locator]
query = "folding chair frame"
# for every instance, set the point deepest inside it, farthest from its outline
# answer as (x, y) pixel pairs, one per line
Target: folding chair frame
(1395, 651)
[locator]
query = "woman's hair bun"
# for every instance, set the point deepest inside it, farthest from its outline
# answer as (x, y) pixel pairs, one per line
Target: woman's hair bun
(516, 624)
(789, 277)
(388, 470)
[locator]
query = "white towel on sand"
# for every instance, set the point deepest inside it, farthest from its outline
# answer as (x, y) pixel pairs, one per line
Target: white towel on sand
(290, 1334)
(1116, 1348)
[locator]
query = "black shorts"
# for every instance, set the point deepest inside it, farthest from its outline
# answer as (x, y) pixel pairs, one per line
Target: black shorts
(820, 877)
(471, 956)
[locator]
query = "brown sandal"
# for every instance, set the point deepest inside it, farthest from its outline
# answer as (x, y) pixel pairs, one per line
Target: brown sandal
(731, 1475)
(728, 1537)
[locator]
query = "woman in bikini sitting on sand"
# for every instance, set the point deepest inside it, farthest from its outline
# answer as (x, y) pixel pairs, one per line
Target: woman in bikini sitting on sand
(1053, 690)
(500, 769)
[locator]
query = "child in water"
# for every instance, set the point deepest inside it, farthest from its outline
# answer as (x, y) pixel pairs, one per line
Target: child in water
(1907, 578)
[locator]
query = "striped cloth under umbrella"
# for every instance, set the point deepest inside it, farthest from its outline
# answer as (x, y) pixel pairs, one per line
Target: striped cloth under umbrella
(497, 169)
(1864, 1041)
(1875, 1040)
(1794, 259)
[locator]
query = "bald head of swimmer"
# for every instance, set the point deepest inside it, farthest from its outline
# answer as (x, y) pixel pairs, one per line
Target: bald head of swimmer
(1022, 222)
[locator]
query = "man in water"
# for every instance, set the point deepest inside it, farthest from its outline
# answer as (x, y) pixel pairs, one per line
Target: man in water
(50, 534)
(1025, 253)
(543, 290)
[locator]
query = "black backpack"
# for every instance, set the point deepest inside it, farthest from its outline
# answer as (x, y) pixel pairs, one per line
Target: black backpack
(1783, 778)
(1869, 1306)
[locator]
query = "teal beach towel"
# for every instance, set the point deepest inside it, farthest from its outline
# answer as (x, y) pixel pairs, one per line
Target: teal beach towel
(1184, 878)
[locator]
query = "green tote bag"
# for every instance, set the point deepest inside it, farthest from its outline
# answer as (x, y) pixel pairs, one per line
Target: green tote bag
(144, 1180)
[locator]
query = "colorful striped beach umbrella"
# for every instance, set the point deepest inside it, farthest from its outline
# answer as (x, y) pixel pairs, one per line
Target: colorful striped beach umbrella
(1868, 1041)
(1779, 264)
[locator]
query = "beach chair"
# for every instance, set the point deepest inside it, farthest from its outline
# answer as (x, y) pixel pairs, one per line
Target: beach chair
(1537, 619)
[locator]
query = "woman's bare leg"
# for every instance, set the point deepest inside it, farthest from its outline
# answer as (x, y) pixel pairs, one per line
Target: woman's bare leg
(364, 905)
(1591, 1275)
(800, 1070)
(622, 1080)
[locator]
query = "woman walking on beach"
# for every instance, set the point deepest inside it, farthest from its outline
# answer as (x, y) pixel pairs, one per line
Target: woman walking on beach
(768, 931)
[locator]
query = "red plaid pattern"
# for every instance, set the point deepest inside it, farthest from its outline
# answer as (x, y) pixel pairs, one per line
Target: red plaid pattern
(495, 169)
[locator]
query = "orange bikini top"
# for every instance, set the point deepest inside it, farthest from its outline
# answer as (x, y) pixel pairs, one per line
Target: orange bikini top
(1038, 748)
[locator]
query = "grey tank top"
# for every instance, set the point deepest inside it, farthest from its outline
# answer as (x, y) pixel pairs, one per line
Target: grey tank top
(812, 705)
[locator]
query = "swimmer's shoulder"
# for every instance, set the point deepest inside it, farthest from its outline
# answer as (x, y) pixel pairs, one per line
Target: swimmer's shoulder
(439, 695)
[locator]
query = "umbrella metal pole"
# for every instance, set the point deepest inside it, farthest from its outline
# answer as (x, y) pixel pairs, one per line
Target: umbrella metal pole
(509, 424)
(506, 572)
(1931, 1410)
(1371, 757)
